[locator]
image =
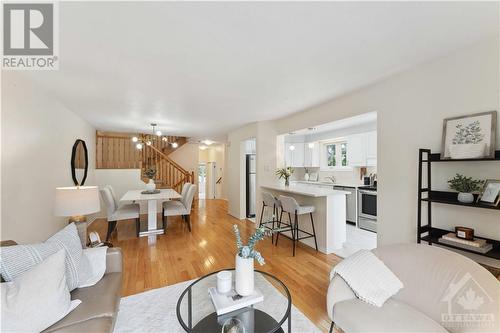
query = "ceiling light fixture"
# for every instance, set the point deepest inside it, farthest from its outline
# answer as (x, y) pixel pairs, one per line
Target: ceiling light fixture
(203, 147)
(292, 147)
(145, 139)
(207, 142)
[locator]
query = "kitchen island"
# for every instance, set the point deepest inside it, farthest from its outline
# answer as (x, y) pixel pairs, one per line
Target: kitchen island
(329, 216)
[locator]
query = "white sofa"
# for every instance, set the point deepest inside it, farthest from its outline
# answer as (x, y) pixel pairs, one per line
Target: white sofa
(434, 280)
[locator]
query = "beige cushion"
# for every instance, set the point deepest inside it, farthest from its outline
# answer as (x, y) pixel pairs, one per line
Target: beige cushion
(103, 324)
(357, 316)
(125, 212)
(100, 300)
(174, 208)
(428, 271)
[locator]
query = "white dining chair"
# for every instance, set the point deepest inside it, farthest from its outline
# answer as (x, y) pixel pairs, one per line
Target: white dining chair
(180, 208)
(117, 213)
(184, 191)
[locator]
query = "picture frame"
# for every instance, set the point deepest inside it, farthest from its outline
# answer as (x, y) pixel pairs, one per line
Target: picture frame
(490, 195)
(470, 131)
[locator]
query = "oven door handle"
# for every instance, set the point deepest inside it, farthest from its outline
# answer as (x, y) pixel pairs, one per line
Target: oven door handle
(367, 192)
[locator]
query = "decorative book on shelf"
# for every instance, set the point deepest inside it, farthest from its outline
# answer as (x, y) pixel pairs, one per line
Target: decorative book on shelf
(231, 301)
(476, 245)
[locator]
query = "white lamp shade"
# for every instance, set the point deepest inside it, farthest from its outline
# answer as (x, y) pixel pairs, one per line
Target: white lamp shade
(73, 201)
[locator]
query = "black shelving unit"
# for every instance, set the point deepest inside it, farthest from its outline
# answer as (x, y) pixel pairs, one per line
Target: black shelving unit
(427, 196)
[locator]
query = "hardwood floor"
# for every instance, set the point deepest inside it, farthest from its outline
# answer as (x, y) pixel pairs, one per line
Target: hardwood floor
(180, 255)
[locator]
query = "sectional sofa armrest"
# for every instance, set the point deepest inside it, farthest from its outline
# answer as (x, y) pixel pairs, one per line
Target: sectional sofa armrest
(114, 260)
(338, 291)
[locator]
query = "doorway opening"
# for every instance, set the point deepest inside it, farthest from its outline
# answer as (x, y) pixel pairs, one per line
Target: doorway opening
(202, 177)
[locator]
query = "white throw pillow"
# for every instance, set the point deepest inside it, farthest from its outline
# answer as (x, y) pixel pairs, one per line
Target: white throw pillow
(16, 260)
(38, 298)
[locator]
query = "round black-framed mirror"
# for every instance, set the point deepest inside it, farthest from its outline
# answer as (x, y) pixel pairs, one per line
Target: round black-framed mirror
(79, 161)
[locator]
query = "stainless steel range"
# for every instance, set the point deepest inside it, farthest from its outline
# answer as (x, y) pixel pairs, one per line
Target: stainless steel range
(367, 208)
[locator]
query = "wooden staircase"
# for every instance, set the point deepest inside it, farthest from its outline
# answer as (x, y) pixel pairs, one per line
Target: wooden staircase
(117, 151)
(169, 174)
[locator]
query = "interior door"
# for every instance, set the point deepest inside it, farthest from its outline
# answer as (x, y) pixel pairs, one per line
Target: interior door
(211, 179)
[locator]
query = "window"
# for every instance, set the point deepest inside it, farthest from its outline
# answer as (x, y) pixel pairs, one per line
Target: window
(334, 155)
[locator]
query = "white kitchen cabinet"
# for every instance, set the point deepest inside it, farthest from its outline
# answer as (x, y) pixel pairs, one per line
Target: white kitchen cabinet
(371, 148)
(362, 149)
(294, 158)
(356, 150)
(311, 154)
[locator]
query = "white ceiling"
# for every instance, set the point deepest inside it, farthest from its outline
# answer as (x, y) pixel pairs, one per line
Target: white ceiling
(202, 69)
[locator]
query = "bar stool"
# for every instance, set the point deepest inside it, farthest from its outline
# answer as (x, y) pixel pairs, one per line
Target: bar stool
(268, 201)
(290, 206)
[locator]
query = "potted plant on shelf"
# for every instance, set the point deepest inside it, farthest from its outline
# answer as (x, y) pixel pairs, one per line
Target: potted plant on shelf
(465, 186)
(150, 173)
(244, 279)
(285, 173)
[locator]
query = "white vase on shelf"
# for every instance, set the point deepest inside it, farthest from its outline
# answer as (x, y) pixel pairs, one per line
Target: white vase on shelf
(151, 186)
(465, 197)
(244, 276)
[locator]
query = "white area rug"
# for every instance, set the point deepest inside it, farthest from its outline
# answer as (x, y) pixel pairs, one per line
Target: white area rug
(155, 310)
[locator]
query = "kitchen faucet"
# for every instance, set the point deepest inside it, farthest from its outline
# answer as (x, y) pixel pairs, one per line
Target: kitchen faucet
(331, 178)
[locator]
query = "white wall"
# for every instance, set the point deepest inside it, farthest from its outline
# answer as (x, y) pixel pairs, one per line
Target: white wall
(38, 133)
(411, 107)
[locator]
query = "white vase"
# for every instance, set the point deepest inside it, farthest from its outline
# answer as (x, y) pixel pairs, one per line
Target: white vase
(244, 279)
(151, 186)
(306, 177)
(465, 197)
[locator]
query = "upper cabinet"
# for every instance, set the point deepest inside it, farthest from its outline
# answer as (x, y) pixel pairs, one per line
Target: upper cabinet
(311, 154)
(356, 150)
(371, 148)
(362, 149)
(294, 154)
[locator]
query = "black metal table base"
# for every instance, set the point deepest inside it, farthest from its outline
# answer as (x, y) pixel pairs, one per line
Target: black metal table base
(253, 320)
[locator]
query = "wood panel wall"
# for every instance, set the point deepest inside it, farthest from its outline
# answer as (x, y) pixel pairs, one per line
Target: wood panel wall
(116, 151)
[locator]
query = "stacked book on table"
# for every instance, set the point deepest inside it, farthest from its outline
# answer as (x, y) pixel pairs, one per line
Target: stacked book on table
(231, 301)
(476, 245)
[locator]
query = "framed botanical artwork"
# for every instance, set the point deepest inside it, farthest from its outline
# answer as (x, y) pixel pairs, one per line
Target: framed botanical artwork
(491, 193)
(471, 136)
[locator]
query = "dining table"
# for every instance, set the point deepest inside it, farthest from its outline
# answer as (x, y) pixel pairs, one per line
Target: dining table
(152, 200)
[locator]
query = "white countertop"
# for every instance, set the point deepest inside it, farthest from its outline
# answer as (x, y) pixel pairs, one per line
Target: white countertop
(310, 191)
(308, 182)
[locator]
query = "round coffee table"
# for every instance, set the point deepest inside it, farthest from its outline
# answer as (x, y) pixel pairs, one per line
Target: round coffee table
(196, 312)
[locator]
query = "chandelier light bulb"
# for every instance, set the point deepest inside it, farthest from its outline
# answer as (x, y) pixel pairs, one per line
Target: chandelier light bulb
(175, 145)
(148, 143)
(138, 146)
(164, 139)
(158, 133)
(135, 139)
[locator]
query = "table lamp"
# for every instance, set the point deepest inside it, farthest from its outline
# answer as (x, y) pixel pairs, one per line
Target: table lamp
(76, 202)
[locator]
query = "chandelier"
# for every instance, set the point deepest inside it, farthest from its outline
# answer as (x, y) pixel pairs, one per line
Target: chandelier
(149, 139)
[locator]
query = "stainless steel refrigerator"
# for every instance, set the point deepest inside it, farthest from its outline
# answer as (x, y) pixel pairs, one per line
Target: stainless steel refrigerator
(251, 183)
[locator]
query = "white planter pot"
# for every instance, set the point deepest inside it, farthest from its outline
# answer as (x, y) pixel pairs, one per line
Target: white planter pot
(244, 279)
(470, 150)
(465, 197)
(306, 177)
(151, 186)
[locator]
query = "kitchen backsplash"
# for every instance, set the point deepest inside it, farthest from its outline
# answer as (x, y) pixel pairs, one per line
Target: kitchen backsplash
(348, 176)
